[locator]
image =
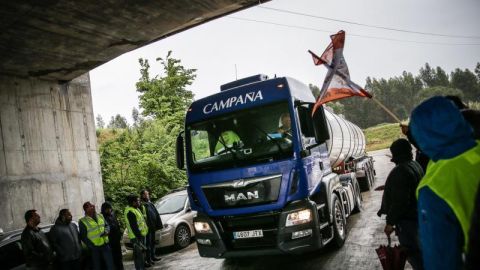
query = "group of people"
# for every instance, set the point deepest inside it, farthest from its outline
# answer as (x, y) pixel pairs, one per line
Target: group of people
(433, 202)
(97, 234)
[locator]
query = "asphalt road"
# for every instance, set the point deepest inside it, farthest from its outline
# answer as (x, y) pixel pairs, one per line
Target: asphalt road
(365, 233)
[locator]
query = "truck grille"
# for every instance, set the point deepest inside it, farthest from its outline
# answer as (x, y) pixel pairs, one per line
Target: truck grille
(268, 223)
(243, 192)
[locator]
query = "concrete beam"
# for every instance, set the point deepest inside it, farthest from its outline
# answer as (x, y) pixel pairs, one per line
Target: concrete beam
(61, 39)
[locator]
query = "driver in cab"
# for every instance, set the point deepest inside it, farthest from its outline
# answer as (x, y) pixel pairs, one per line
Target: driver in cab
(285, 126)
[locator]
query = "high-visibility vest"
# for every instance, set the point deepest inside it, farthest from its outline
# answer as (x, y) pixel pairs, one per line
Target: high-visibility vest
(456, 182)
(227, 138)
(142, 225)
(95, 229)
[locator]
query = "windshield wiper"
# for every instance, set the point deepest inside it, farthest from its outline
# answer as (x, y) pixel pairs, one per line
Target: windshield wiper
(270, 138)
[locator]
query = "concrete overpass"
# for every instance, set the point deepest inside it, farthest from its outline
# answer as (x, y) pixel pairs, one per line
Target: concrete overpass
(48, 151)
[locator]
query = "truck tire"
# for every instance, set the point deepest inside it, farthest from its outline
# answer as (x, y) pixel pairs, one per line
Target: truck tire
(339, 222)
(358, 199)
(364, 182)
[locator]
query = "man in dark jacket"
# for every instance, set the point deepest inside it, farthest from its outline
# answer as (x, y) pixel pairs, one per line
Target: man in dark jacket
(36, 248)
(115, 235)
(66, 241)
(154, 223)
(399, 202)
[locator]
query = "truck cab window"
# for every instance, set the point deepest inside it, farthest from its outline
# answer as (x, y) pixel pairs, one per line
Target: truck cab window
(242, 137)
(306, 125)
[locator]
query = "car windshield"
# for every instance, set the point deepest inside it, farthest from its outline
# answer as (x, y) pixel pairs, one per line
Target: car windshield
(171, 204)
(241, 138)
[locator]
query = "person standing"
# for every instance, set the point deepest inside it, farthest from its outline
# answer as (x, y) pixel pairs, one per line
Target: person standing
(66, 241)
(154, 223)
(399, 202)
(136, 229)
(37, 250)
(94, 234)
(446, 194)
(115, 235)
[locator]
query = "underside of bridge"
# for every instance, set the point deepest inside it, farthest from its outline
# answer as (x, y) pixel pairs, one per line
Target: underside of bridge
(48, 150)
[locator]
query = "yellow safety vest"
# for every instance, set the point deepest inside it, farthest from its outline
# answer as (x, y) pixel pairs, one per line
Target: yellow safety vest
(95, 229)
(228, 138)
(456, 182)
(142, 225)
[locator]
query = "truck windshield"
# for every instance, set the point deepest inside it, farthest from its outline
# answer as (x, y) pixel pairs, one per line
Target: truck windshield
(241, 138)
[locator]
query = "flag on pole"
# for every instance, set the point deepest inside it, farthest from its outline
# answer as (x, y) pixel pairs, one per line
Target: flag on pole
(337, 83)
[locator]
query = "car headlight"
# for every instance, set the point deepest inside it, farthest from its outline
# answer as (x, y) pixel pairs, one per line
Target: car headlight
(299, 217)
(202, 227)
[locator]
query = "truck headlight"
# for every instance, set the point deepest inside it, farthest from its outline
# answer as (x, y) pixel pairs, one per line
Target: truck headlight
(299, 217)
(202, 227)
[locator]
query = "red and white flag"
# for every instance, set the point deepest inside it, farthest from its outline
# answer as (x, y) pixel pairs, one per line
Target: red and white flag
(337, 83)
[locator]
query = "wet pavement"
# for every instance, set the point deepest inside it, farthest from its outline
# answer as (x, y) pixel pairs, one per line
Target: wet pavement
(365, 233)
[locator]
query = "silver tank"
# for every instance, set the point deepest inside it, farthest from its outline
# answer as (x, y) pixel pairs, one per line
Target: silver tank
(346, 139)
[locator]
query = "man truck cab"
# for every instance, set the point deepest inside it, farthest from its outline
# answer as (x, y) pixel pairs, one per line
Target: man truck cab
(259, 190)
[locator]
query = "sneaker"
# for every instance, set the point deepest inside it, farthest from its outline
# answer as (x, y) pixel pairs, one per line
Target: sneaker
(156, 259)
(147, 265)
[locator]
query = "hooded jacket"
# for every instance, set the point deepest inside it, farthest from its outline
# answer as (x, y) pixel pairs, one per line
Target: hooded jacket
(398, 201)
(444, 135)
(65, 241)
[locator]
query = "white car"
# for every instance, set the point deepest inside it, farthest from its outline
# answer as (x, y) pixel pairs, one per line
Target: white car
(177, 218)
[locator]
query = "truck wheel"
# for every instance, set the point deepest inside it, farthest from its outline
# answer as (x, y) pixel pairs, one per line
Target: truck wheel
(182, 236)
(364, 182)
(339, 222)
(358, 199)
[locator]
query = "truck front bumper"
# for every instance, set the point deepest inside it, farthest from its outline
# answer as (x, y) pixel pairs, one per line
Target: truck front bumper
(277, 237)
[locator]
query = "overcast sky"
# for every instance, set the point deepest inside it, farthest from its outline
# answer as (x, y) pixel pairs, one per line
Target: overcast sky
(279, 47)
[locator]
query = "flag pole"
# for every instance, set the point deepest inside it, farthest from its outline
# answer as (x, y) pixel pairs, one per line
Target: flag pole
(387, 110)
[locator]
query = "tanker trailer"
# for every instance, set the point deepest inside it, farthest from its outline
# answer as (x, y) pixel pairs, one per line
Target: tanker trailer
(346, 149)
(267, 175)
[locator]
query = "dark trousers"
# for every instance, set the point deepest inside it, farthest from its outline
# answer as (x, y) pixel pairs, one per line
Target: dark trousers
(150, 245)
(116, 254)
(138, 252)
(102, 254)
(407, 231)
(70, 265)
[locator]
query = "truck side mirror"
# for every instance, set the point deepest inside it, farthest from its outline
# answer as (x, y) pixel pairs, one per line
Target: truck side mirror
(180, 153)
(320, 125)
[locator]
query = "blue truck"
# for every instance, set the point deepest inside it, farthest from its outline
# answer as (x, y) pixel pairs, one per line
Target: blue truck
(267, 176)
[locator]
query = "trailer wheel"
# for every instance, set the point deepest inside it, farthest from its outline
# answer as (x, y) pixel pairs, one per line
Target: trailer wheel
(339, 222)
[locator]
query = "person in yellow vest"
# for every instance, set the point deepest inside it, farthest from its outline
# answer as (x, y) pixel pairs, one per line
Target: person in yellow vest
(226, 141)
(446, 194)
(94, 234)
(137, 230)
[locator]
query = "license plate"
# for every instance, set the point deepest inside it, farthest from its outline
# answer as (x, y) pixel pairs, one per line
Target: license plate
(248, 234)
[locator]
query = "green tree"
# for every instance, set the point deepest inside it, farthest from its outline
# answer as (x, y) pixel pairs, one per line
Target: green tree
(143, 156)
(466, 81)
(315, 90)
(118, 122)
(165, 95)
(100, 122)
(477, 71)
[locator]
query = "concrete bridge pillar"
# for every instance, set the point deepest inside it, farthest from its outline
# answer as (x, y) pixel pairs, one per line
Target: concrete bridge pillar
(48, 149)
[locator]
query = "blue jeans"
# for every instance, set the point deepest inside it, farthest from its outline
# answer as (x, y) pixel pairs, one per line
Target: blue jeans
(99, 254)
(138, 252)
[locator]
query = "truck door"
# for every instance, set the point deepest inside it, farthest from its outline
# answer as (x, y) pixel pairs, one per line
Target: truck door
(314, 152)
